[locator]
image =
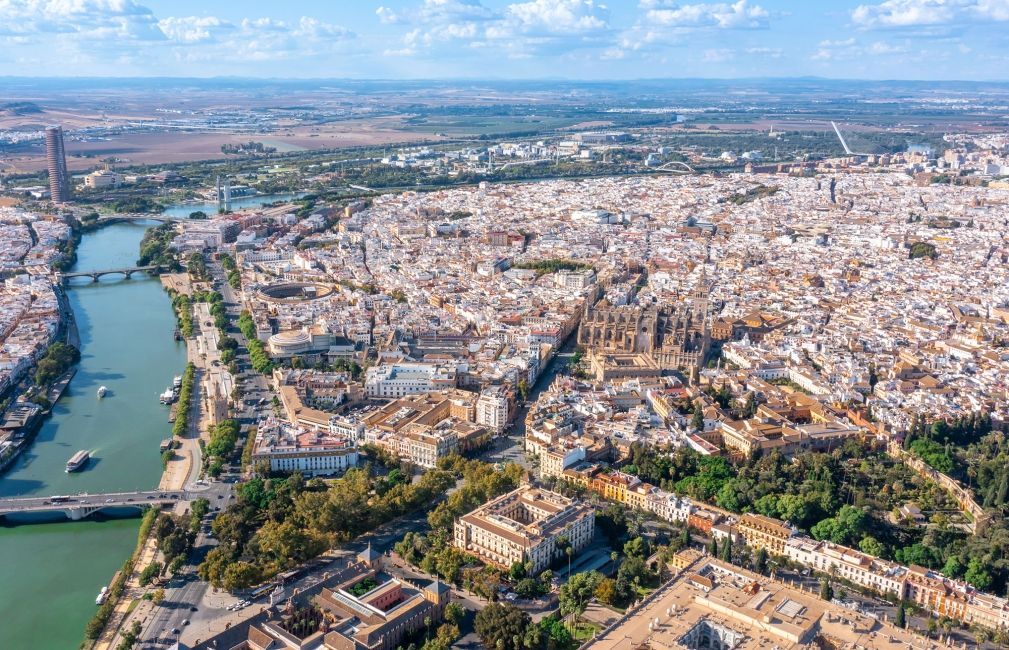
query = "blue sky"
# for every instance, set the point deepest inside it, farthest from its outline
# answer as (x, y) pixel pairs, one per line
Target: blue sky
(507, 39)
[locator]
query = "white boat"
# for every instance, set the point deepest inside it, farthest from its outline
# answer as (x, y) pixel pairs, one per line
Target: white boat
(102, 596)
(78, 461)
(102, 390)
(177, 382)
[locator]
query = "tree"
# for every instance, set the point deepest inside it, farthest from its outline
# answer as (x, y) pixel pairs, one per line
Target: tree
(872, 546)
(130, 637)
(241, 575)
(523, 388)
(454, 613)
(697, 421)
(527, 588)
(576, 593)
(637, 547)
(713, 547)
(726, 551)
(150, 572)
(227, 343)
(502, 626)
(977, 574)
(900, 619)
(953, 568)
(557, 635)
(606, 591)
(760, 561)
(447, 634)
(751, 405)
(517, 570)
(198, 510)
(826, 591)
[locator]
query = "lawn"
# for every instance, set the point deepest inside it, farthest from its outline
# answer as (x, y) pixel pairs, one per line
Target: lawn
(584, 630)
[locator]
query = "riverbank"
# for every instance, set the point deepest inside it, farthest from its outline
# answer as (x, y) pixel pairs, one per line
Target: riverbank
(66, 332)
(56, 568)
(182, 469)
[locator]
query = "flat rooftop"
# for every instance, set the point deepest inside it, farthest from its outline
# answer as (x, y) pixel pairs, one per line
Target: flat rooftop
(749, 612)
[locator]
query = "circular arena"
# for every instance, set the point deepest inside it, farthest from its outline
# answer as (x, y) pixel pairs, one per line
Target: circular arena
(289, 292)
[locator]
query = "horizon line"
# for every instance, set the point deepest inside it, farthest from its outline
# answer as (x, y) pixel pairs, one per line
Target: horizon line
(553, 79)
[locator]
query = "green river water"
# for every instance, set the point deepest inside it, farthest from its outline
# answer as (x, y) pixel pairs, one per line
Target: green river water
(50, 573)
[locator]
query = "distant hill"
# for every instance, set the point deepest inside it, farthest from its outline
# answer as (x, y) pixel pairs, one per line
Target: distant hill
(20, 108)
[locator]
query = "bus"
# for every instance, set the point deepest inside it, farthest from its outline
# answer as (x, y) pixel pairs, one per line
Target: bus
(262, 590)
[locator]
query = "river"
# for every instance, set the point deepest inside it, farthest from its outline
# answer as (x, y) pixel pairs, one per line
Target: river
(238, 203)
(51, 572)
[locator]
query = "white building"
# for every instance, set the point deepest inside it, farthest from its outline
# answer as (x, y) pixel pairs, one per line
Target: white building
(312, 452)
(668, 506)
(847, 563)
(347, 427)
(399, 379)
(492, 408)
(575, 280)
(103, 178)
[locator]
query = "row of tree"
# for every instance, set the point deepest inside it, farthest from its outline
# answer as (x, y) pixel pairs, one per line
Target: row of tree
(257, 352)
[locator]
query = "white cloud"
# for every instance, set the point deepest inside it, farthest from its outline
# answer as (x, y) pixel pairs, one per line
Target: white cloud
(738, 15)
(125, 33)
(718, 55)
(770, 52)
(896, 14)
(992, 9)
(905, 13)
(192, 29)
(880, 48)
(829, 50)
(845, 43)
(123, 19)
(453, 11)
(519, 30)
(388, 16)
(558, 16)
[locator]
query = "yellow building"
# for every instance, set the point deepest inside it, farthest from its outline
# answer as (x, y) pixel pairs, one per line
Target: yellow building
(764, 532)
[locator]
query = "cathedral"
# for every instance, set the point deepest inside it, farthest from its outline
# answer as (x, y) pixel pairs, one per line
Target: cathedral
(676, 337)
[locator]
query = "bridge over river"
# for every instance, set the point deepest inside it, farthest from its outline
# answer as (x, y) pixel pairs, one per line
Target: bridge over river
(121, 217)
(94, 275)
(79, 506)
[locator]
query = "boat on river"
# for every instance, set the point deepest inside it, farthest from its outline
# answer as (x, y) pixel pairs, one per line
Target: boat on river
(78, 460)
(102, 391)
(102, 596)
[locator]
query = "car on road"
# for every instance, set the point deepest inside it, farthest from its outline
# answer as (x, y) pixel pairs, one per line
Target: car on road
(176, 631)
(185, 621)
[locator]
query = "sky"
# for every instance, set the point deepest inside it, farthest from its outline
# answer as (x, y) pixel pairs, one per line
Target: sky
(507, 39)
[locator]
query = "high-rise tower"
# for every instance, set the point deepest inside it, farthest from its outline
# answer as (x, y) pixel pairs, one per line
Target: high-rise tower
(59, 177)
